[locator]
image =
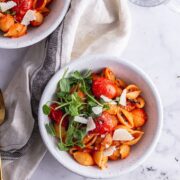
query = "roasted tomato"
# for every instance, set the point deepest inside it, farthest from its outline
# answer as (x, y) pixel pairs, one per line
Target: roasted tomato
(105, 123)
(103, 86)
(56, 115)
(22, 7)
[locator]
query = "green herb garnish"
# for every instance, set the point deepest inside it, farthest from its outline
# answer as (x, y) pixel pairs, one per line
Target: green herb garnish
(72, 105)
(50, 129)
(46, 109)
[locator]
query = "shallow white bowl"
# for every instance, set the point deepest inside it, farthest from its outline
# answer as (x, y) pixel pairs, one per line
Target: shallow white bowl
(139, 153)
(36, 34)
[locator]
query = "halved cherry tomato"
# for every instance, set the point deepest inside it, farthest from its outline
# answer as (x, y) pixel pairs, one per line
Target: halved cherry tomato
(56, 115)
(105, 123)
(22, 7)
(103, 86)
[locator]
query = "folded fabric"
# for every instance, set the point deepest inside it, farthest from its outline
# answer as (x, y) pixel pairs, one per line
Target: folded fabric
(90, 27)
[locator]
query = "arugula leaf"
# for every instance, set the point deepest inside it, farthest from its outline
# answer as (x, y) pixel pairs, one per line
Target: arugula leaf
(106, 107)
(73, 105)
(93, 99)
(64, 85)
(46, 109)
(87, 74)
(91, 103)
(79, 138)
(77, 75)
(65, 72)
(80, 144)
(62, 146)
(69, 135)
(79, 134)
(61, 94)
(75, 134)
(50, 129)
(73, 110)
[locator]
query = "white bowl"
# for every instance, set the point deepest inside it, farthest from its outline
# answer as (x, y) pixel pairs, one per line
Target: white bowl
(139, 153)
(36, 34)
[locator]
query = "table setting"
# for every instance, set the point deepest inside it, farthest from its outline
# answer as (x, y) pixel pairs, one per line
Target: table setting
(92, 34)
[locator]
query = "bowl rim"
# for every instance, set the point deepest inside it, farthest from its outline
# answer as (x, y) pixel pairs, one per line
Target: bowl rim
(159, 107)
(43, 35)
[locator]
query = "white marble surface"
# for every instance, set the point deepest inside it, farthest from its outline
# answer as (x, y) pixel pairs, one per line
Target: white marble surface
(155, 47)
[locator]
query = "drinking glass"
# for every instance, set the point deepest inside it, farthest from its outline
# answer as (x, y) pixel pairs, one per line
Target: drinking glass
(172, 4)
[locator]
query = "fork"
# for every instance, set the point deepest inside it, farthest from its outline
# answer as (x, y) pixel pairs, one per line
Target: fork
(1, 175)
(2, 116)
(2, 108)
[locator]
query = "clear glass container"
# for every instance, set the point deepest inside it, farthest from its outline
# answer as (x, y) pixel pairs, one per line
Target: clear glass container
(171, 4)
(148, 3)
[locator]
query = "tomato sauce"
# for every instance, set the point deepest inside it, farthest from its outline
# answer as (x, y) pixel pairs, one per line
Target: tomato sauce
(22, 7)
(39, 3)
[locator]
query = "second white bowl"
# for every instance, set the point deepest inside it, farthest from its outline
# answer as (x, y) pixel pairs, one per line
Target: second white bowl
(36, 34)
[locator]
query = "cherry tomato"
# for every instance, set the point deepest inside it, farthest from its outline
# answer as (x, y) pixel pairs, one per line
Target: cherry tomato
(105, 123)
(56, 115)
(103, 86)
(22, 7)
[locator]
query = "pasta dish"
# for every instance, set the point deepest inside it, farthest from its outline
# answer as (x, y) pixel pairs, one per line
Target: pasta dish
(17, 15)
(96, 117)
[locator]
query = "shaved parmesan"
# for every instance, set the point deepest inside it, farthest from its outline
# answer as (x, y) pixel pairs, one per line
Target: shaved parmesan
(80, 119)
(108, 100)
(107, 145)
(28, 17)
(122, 135)
(112, 102)
(103, 135)
(90, 124)
(105, 99)
(4, 6)
(122, 100)
(109, 151)
(97, 110)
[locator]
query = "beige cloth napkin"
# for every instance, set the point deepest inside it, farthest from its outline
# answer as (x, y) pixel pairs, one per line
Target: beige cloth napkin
(90, 27)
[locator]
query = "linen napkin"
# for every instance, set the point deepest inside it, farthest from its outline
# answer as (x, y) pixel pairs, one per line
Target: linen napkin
(89, 27)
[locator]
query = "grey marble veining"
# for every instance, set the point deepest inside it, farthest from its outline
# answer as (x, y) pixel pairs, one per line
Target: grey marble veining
(155, 47)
